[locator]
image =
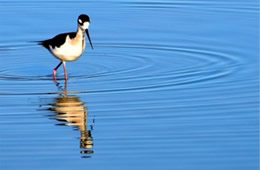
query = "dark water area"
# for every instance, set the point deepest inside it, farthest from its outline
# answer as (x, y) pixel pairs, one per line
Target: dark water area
(169, 85)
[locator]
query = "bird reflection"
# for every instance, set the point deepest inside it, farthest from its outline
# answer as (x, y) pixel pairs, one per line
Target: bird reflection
(71, 111)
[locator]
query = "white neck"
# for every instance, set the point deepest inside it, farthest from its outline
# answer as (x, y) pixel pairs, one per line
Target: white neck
(80, 31)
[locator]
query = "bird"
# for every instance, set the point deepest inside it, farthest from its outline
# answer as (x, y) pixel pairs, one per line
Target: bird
(68, 47)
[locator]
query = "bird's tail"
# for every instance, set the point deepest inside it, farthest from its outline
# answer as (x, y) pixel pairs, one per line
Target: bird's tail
(36, 42)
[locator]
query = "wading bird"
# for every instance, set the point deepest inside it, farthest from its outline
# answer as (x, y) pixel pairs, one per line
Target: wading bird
(69, 46)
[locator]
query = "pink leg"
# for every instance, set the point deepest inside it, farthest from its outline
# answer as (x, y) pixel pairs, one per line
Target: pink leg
(55, 70)
(65, 88)
(65, 71)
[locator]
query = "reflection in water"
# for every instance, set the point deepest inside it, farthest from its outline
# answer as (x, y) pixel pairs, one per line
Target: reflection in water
(70, 111)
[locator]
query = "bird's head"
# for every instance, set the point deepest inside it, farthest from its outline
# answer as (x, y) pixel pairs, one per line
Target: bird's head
(83, 22)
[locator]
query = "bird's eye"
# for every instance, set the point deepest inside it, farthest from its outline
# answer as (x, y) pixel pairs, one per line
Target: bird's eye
(80, 21)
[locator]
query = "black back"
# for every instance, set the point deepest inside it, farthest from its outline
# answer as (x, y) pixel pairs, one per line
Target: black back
(57, 41)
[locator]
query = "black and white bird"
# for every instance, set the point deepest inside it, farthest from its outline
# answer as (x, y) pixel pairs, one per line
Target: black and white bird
(69, 46)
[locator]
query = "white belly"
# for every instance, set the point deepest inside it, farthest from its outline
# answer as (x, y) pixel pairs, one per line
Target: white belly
(70, 50)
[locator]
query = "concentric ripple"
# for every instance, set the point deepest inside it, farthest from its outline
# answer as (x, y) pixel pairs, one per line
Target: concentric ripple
(143, 67)
(127, 67)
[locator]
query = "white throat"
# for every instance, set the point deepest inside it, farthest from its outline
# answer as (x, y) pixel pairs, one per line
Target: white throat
(85, 25)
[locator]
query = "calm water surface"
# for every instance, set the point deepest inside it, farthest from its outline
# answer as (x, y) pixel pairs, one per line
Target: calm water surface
(169, 85)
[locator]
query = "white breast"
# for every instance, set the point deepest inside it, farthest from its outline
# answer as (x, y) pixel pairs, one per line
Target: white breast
(70, 50)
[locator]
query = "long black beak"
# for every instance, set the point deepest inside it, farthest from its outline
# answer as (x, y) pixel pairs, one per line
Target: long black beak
(89, 39)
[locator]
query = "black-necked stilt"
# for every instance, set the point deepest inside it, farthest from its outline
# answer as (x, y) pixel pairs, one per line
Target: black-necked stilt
(69, 46)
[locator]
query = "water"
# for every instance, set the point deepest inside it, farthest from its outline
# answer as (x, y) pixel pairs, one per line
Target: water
(169, 85)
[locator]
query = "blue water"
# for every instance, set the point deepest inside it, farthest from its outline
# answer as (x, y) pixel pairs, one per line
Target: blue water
(169, 85)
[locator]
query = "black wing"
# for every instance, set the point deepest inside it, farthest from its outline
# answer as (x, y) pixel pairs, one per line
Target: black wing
(56, 41)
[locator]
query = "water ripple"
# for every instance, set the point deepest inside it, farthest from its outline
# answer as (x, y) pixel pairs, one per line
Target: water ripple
(219, 6)
(141, 67)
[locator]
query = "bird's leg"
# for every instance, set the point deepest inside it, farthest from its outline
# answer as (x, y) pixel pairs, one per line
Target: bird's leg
(55, 70)
(65, 70)
(65, 88)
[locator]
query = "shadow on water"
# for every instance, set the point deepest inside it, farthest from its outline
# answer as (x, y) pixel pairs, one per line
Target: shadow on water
(69, 110)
